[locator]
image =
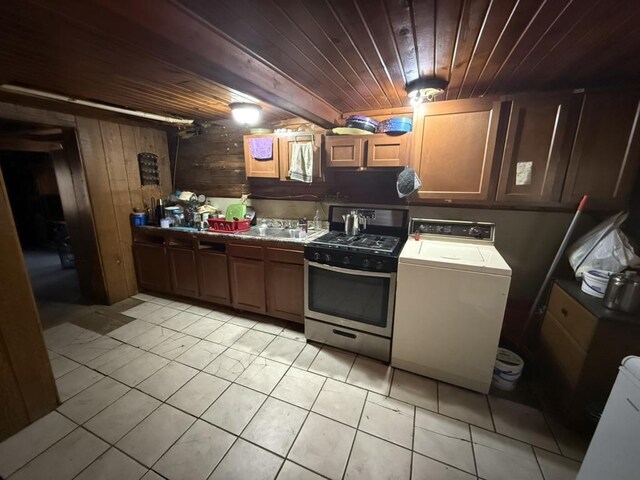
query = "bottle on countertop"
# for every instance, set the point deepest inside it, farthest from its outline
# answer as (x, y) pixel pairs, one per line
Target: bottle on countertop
(159, 211)
(317, 223)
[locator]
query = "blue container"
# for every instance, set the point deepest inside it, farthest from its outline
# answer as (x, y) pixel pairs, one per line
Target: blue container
(138, 219)
(396, 125)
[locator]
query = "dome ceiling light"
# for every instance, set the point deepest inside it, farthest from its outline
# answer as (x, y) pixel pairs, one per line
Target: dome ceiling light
(422, 89)
(245, 113)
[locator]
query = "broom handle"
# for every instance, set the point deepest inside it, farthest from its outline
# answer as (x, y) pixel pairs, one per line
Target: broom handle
(556, 260)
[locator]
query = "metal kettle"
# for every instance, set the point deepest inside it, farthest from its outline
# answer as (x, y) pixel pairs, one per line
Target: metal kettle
(351, 223)
(623, 292)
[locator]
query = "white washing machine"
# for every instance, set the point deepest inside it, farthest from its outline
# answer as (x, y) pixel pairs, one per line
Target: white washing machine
(452, 288)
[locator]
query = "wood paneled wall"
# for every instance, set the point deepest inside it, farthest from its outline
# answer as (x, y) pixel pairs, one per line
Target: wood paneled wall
(27, 388)
(107, 152)
(213, 164)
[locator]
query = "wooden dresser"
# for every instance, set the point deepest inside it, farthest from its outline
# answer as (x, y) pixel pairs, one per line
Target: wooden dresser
(582, 344)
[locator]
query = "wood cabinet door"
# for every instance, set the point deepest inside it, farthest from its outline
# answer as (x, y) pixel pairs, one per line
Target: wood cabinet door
(606, 153)
(387, 150)
(537, 149)
(454, 147)
(344, 151)
(286, 146)
(182, 268)
(213, 277)
(285, 283)
(269, 168)
(152, 269)
(247, 284)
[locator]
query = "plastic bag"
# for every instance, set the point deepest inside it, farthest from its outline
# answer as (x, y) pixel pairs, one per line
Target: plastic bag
(605, 247)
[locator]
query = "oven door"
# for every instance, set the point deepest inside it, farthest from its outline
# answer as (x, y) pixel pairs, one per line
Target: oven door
(350, 298)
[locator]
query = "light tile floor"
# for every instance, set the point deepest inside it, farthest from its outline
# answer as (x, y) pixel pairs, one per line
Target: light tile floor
(186, 392)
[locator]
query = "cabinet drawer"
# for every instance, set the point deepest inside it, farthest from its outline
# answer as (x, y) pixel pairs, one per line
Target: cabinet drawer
(566, 353)
(245, 251)
(576, 320)
(285, 256)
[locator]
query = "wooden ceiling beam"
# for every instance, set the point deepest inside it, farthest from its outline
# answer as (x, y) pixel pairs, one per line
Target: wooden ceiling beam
(26, 145)
(169, 32)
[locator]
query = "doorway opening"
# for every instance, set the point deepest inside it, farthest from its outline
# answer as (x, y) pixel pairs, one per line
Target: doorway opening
(50, 209)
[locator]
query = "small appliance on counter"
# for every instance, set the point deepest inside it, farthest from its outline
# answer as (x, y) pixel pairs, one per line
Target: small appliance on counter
(350, 279)
(452, 293)
(623, 292)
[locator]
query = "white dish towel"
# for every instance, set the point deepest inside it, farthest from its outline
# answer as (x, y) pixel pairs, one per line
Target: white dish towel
(301, 168)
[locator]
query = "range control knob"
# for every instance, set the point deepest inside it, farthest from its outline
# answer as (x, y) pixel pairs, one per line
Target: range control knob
(366, 263)
(326, 257)
(316, 256)
(379, 265)
(346, 260)
(475, 232)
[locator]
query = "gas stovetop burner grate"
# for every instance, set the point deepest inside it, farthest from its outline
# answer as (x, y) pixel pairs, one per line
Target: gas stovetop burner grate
(363, 241)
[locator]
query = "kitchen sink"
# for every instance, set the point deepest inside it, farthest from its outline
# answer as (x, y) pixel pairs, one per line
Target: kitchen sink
(273, 232)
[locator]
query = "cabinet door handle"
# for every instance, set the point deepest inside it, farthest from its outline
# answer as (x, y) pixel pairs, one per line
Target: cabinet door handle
(564, 311)
(345, 334)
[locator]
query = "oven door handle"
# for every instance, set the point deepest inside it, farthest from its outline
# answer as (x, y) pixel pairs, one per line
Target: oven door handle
(348, 271)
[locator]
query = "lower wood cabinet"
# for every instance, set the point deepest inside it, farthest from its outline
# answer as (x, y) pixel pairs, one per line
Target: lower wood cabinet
(285, 283)
(582, 344)
(152, 269)
(247, 279)
(213, 276)
(254, 276)
(182, 268)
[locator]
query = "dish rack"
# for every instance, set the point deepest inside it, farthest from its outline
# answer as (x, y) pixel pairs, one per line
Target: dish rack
(228, 226)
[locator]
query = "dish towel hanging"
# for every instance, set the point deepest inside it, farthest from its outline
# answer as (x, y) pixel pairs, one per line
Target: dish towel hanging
(301, 168)
(261, 148)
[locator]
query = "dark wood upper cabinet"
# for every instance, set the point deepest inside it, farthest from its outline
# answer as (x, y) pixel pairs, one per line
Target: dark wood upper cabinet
(151, 266)
(285, 283)
(454, 149)
(268, 168)
(286, 147)
(371, 151)
(213, 275)
(387, 150)
(537, 148)
(344, 151)
(606, 153)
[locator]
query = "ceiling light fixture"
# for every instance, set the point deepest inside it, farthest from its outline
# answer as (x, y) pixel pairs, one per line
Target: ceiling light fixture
(423, 88)
(245, 113)
(32, 92)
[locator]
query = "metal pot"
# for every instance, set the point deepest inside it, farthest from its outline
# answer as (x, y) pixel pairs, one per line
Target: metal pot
(623, 292)
(351, 223)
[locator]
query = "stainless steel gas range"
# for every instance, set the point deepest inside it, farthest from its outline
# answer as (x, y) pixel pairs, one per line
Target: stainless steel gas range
(350, 280)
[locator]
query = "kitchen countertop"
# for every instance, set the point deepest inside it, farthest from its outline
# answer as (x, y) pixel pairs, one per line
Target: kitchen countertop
(594, 304)
(237, 236)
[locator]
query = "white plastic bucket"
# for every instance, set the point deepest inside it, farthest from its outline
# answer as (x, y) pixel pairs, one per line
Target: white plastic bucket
(507, 369)
(594, 282)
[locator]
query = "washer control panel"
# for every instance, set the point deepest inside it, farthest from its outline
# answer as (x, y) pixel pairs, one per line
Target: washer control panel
(453, 228)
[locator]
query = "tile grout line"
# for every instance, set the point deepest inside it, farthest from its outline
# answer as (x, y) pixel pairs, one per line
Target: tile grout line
(473, 450)
(533, 450)
(355, 435)
(303, 422)
(413, 439)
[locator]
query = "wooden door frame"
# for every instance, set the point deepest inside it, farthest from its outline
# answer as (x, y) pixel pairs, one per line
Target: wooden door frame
(76, 207)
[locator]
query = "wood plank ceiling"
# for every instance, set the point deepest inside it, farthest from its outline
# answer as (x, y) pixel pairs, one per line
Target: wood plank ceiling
(340, 55)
